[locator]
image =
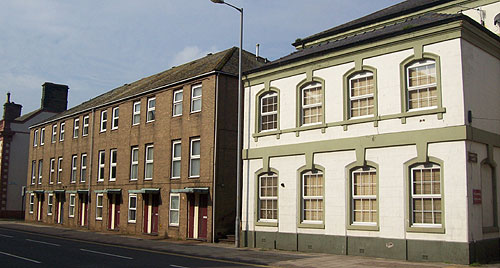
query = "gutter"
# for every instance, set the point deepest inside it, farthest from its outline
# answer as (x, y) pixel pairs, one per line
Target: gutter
(215, 155)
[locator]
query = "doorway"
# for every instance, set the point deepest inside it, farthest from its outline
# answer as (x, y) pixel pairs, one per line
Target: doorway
(114, 211)
(151, 202)
(198, 216)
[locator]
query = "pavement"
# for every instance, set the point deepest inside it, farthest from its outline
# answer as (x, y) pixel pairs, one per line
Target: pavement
(219, 251)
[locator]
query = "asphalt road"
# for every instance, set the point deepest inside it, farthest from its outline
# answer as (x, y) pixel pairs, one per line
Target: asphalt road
(24, 249)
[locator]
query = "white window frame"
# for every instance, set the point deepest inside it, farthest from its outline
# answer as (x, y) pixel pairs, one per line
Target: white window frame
(42, 136)
(364, 74)
(112, 164)
(40, 171)
(312, 197)
(62, 127)
(173, 210)
(104, 121)
(97, 206)
(32, 203)
(102, 164)
(314, 105)
(83, 168)
(76, 127)
(59, 169)
(85, 126)
(196, 98)
(151, 114)
(262, 113)
(148, 162)
(115, 114)
(54, 133)
(267, 198)
(134, 196)
(426, 166)
(52, 170)
(72, 201)
(425, 62)
(363, 197)
(33, 172)
(177, 103)
(176, 159)
(35, 138)
(74, 168)
(136, 113)
(194, 157)
(134, 163)
(50, 204)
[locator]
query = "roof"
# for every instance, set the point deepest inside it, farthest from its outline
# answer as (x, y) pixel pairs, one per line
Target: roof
(411, 24)
(396, 10)
(224, 62)
(28, 116)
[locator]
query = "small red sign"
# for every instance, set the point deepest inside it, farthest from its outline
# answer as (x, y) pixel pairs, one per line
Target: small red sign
(476, 196)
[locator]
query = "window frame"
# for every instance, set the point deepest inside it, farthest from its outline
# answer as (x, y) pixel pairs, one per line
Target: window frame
(71, 204)
(316, 82)
(359, 75)
(50, 203)
(431, 196)
(171, 209)
(53, 139)
(129, 220)
(62, 128)
(151, 111)
(99, 207)
(176, 103)
(269, 94)
(194, 157)
(148, 162)
(31, 203)
(176, 159)
(416, 64)
(42, 136)
(83, 168)
(101, 165)
(35, 138)
(136, 113)
(260, 221)
(113, 163)
(134, 163)
(104, 121)
(40, 171)
(33, 172)
(52, 170)
(76, 128)
(115, 116)
(351, 170)
(301, 223)
(85, 126)
(59, 169)
(196, 98)
(74, 168)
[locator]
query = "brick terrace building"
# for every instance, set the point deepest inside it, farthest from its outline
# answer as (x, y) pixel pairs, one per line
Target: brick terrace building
(156, 156)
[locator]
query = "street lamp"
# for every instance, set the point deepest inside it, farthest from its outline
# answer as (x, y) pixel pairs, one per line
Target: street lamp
(239, 148)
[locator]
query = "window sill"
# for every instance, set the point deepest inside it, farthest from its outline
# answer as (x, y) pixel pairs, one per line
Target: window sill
(176, 115)
(150, 121)
(97, 219)
(148, 179)
(116, 128)
(363, 227)
(267, 224)
(311, 225)
(132, 222)
(175, 178)
(174, 225)
(421, 229)
(193, 112)
(193, 177)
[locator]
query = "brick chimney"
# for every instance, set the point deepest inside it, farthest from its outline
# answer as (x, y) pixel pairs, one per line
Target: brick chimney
(54, 97)
(11, 110)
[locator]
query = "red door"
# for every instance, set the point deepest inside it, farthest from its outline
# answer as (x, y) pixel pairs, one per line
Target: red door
(110, 212)
(154, 214)
(191, 216)
(117, 212)
(202, 217)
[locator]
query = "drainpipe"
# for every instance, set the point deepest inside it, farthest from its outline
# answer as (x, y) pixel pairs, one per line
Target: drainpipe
(89, 176)
(215, 154)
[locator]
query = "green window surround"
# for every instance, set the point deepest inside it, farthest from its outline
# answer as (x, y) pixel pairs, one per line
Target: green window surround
(257, 220)
(300, 191)
(258, 109)
(493, 168)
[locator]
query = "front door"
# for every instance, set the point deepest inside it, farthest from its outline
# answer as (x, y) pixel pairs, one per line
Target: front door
(114, 212)
(151, 202)
(59, 208)
(40, 208)
(83, 210)
(203, 217)
(198, 216)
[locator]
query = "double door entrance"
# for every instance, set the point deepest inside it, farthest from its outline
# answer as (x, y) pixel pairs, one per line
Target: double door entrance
(198, 216)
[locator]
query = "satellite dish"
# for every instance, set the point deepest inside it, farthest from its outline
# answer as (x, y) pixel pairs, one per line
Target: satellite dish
(497, 20)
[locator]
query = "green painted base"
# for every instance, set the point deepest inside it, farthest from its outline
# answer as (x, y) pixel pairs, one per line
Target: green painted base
(413, 250)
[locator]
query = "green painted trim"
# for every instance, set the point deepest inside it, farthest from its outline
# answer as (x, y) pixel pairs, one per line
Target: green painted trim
(300, 223)
(481, 40)
(490, 161)
(309, 79)
(347, 104)
(483, 136)
(403, 79)
(258, 173)
(266, 90)
(407, 175)
(349, 222)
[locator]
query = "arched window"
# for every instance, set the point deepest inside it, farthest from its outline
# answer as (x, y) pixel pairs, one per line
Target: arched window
(364, 208)
(312, 104)
(361, 94)
(268, 197)
(312, 196)
(269, 111)
(421, 85)
(426, 195)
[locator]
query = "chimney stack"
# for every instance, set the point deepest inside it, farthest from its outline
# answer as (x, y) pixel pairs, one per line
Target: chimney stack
(54, 97)
(11, 110)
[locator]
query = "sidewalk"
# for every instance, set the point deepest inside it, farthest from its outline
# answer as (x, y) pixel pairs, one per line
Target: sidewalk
(272, 258)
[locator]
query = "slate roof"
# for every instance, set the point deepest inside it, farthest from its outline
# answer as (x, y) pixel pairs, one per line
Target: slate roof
(396, 10)
(27, 116)
(224, 62)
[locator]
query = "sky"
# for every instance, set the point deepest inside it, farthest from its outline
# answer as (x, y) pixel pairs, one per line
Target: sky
(95, 46)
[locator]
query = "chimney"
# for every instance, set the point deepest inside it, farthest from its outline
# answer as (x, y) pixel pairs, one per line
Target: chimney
(11, 110)
(54, 97)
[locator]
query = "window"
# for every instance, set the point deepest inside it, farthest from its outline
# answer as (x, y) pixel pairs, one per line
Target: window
(59, 169)
(268, 197)
(98, 209)
(50, 203)
(364, 196)
(42, 136)
(150, 116)
(176, 159)
(116, 115)
(312, 106)
(194, 158)
(33, 172)
(71, 212)
(35, 138)
(361, 95)
(422, 86)
(136, 118)
(32, 203)
(52, 170)
(61, 131)
(76, 127)
(104, 120)
(132, 208)
(174, 210)
(54, 133)
(83, 168)
(196, 98)
(102, 162)
(85, 130)
(312, 197)
(269, 111)
(134, 163)
(112, 164)
(74, 160)
(426, 195)
(149, 163)
(40, 171)
(177, 103)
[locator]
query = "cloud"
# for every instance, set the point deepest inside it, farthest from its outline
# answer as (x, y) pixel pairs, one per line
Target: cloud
(190, 53)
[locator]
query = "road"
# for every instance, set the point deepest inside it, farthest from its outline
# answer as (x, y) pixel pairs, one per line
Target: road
(25, 249)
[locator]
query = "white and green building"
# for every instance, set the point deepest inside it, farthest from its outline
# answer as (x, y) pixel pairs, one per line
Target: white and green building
(380, 137)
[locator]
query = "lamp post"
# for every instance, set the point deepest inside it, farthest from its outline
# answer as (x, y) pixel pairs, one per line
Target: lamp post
(239, 148)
